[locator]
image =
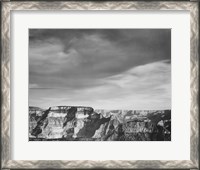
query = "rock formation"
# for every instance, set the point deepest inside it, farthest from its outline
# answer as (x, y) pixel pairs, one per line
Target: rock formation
(77, 123)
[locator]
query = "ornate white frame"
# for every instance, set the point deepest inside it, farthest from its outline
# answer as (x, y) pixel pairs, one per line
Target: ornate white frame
(7, 7)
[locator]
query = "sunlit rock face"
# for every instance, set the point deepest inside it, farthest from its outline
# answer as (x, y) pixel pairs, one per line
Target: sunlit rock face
(77, 123)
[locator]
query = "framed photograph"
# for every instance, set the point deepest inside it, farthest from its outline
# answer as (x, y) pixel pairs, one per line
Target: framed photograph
(100, 85)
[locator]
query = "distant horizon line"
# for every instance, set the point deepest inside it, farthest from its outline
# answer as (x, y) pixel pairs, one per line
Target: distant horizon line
(164, 108)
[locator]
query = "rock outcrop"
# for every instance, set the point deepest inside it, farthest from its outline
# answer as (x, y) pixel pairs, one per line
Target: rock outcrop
(76, 123)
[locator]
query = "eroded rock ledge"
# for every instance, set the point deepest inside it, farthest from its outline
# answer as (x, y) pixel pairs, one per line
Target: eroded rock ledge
(79, 123)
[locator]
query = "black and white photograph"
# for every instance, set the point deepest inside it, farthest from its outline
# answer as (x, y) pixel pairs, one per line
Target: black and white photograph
(99, 85)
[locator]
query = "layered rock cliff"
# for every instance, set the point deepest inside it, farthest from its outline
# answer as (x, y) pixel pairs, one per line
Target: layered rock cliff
(76, 123)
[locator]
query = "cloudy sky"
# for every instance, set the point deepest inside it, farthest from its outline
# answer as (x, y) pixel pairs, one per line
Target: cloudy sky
(101, 68)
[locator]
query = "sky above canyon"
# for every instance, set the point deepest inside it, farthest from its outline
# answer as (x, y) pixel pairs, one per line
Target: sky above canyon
(101, 68)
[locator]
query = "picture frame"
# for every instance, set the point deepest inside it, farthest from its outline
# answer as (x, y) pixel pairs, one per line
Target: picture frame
(6, 115)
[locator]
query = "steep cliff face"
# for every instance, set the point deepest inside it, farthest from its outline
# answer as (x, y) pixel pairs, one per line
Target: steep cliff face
(87, 124)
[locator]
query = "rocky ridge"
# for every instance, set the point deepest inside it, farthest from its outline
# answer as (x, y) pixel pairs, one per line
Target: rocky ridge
(86, 124)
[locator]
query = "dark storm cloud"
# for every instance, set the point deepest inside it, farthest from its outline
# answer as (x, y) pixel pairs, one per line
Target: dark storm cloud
(83, 59)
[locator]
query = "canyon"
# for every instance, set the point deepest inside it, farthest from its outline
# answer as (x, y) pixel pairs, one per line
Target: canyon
(79, 123)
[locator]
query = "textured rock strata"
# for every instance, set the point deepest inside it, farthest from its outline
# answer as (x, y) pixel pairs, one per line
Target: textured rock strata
(86, 124)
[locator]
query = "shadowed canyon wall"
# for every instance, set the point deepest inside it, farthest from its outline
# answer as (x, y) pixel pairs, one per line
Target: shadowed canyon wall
(73, 123)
